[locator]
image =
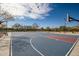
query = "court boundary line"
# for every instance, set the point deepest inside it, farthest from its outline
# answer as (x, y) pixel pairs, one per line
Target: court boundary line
(10, 50)
(11, 47)
(67, 54)
(35, 48)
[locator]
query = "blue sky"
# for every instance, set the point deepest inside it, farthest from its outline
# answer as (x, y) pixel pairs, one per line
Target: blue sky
(55, 17)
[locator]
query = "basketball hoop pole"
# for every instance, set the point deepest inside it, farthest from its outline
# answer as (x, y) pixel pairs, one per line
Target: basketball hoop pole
(70, 19)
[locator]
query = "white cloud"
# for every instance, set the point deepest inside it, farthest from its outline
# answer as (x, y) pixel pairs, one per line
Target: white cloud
(31, 10)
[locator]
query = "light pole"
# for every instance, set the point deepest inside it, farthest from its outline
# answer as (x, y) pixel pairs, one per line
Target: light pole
(65, 23)
(6, 28)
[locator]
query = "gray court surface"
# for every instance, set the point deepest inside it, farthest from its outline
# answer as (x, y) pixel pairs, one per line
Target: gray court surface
(38, 44)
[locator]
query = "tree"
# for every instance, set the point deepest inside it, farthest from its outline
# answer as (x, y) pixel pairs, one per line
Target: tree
(62, 28)
(35, 26)
(17, 26)
(42, 28)
(5, 16)
(48, 28)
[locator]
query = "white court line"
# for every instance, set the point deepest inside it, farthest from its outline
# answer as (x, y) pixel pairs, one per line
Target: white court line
(35, 48)
(10, 43)
(11, 47)
(71, 48)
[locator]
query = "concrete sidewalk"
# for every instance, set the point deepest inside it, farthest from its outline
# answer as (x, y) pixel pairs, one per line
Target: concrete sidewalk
(5, 45)
(75, 51)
